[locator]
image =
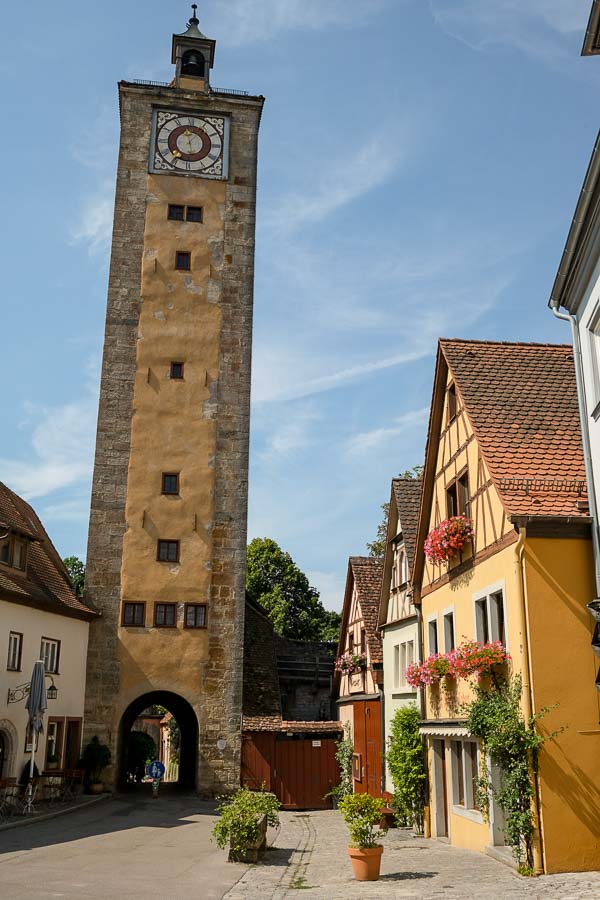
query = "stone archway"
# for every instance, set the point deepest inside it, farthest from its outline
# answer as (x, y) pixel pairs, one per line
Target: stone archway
(11, 742)
(186, 718)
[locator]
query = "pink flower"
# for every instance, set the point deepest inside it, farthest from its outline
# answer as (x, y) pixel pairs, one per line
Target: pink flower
(448, 539)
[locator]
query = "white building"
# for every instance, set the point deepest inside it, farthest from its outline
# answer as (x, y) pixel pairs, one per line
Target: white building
(397, 614)
(40, 618)
(576, 298)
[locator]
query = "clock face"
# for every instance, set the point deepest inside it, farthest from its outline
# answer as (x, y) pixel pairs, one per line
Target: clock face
(190, 144)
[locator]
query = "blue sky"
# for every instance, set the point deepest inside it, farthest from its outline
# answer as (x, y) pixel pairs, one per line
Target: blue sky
(420, 161)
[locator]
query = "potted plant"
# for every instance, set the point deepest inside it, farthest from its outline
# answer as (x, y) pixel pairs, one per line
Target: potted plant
(448, 539)
(362, 814)
(243, 822)
(96, 757)
(52, 761)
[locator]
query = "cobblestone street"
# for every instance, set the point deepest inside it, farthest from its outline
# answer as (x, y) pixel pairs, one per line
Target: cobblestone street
(309, 855)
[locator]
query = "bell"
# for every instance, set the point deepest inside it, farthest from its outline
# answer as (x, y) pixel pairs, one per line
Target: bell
(192, 64)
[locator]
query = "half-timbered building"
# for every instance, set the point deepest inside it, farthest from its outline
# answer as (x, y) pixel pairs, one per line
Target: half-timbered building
(397, 613)
(359, 671)
(504, 450)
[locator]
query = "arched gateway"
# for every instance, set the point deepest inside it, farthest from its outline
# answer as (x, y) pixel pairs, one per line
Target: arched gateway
(167, 539)
(187, 722)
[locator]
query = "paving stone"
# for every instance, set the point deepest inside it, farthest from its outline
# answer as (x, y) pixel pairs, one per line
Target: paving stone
(309, 856)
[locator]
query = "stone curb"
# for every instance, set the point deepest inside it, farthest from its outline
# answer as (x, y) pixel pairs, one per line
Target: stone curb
(53, 815)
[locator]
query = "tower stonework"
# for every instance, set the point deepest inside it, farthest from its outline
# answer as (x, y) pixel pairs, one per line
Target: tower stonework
(167, 538)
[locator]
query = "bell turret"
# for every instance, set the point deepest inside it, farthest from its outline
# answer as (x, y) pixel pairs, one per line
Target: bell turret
(193, 55)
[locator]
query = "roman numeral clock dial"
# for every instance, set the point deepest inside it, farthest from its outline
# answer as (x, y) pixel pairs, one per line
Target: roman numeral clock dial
(190, 144)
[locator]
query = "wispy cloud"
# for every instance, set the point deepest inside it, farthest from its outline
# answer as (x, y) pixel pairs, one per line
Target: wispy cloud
(94, 148)
(368, 441)
(250, 21)
(346, 178)
(539, 28)
(286, 430)
(61, 448)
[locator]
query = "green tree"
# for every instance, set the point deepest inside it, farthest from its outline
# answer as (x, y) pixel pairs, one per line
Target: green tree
(140, 750)
(274, 580)
(76, 570)
(407, 766)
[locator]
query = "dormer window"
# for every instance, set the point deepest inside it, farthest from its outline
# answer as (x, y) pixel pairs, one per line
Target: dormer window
(13, 551)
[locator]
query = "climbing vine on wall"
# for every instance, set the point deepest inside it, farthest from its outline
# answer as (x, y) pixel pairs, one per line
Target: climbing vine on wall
(512, 744)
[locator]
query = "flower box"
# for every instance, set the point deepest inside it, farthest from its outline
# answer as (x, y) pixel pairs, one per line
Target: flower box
(351, 663)
(471, 659)
(448, 539)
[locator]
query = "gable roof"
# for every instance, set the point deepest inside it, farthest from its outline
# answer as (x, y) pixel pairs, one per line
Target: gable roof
(364, 573)
(45, 584)
(521, 401)
(407, 494)
(591, 41)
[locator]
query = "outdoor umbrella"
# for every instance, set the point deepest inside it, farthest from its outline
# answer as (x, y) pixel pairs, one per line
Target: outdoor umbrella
(36, 706)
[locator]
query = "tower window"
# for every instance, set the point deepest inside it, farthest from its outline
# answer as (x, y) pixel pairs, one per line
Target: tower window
(170, 483)
(134, 614)
(183, 260)
(195, 615)
(192, 64)
(176, 212)
(168, 551)
(194, 214)
(177, 370)
(165, 615)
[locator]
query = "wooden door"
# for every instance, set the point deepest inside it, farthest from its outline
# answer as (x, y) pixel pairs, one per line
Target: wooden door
(359, 762)
(374, 749)
(72, 743)
(304, 772)
(257, 760)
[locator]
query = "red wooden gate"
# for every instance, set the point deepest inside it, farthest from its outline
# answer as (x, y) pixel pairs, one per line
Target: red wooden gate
(299, 772)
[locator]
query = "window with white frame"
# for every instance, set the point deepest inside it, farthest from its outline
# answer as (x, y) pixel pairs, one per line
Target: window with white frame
(489, 617)
(15, 648)
(465, 774)
(449, 637)
(593, 329)
(432, 634)
(397, 665)
(407, 658)
(50, 654)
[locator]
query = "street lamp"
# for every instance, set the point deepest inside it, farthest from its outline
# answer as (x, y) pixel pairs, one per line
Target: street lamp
(22, 691)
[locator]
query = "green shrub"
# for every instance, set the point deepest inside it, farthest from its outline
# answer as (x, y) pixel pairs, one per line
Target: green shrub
(362, 815)
(96, 757)
(240, 818)
(343, 754)
(407, 766)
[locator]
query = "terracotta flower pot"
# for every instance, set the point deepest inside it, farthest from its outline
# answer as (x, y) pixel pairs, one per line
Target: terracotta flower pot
(96, 788)
(366, 863)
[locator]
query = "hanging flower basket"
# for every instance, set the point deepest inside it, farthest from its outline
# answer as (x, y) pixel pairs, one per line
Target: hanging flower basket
(350, 663)
(448, 539)
(471, 659)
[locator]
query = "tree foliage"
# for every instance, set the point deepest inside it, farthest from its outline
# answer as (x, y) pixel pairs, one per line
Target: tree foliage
(407, 766)
(275, 582)
(76, 570)
(141, 750)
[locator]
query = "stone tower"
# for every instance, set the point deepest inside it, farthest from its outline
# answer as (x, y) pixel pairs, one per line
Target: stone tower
(167, 537)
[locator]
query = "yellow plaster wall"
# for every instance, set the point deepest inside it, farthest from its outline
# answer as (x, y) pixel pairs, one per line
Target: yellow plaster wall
(563, 669)
(173, 431)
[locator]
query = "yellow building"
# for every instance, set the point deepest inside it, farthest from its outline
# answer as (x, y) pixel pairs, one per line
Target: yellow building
(504, 450)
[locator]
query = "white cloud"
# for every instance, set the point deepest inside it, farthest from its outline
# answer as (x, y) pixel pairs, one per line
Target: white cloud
(62, 447)
(288, 430)
(536, 27)
(250, 21)
(367, 441)
(94, 225)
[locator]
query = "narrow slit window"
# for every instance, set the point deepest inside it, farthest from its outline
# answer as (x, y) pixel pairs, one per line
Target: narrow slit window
(451, 403)
(177, 371)
(433, 636)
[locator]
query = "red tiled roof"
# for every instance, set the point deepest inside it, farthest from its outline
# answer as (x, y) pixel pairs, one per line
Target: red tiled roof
(407, 493)
(45, 584)
(367, 572)
(521, 400)
(275, 723)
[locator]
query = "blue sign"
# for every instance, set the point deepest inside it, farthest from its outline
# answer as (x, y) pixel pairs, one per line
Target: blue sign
(155, 770)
